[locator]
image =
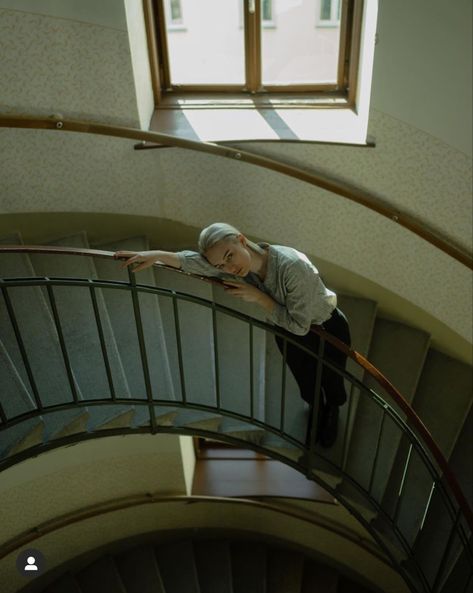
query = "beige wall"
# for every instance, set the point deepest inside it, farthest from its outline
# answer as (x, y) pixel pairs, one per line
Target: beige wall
(140, 470)
(84, 70)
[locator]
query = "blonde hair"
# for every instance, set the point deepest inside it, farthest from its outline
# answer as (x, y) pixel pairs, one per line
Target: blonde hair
(219, 231)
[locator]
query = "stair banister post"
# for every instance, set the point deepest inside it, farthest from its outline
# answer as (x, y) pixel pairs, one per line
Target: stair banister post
(443, 561)
(252, 393)
(179, 346)
(315, 408)
(141, 342)
(103, 345)
(22, 349)
(376, 455)
(62, 342)
(283, 386)
(215, 343)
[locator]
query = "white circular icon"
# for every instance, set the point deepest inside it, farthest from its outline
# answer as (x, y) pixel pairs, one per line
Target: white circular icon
(30, 562)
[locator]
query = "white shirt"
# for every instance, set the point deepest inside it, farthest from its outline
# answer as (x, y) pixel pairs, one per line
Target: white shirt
(291, 280)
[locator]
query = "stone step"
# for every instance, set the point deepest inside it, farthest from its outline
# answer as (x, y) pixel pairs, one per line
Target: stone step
(139, 571)
(122, 317)
(399, 352)
(177, 567)
(284, 571)
(102, 575)
(214, 566)
(195, 338)
(249, 567)
(81, 335)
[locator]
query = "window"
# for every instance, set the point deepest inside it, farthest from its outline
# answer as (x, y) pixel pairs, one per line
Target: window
(267, 14)
(173, 12)
(216, 59)
(329, 13)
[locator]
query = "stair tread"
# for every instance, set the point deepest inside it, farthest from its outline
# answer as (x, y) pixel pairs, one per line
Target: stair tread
(285, 569)
(102, 575)
(139, 571)
(403, 370)
(189, 418)
(196, 337)
(65, 584)
(249, 567)
(319, 578)
(79, 325)
(443, 409)
(178, 576)
(120, 308)
(214, 566)
(38, 334)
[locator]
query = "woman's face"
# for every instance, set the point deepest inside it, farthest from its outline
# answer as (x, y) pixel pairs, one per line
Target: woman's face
(232, 256)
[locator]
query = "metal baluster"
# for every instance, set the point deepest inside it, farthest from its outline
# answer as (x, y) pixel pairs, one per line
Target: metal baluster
(62, 343)
(427, 507)
(283, 385)
(214, 332)
(401, 487)
(316, 403)
(179, 346)
(344, 460)
(21, 347)
(378, 443)
(443, 561)
(3, 416)
(468, 582)
(252, 394)
(141, 342)
(98, 321)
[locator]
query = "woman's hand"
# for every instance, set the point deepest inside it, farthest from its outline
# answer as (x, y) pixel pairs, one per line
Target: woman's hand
(144, 259)
(242, 290)
(249, 293)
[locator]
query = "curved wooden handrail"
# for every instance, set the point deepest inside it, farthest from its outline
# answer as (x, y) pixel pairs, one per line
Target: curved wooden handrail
(317, 179)
(359, 359)
(103, 508)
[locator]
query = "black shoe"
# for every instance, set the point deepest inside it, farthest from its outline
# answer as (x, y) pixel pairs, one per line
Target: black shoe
(329, 429)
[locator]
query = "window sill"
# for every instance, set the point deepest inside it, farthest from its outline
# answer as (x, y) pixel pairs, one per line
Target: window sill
(328, 24)
(245, 476)
(173, 28)
(233, 118)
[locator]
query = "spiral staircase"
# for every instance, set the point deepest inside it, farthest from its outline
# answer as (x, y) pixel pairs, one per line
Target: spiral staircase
(206, 565)
(89, 350)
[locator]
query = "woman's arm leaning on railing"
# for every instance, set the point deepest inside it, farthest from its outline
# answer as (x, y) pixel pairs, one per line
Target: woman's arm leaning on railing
(413, 420)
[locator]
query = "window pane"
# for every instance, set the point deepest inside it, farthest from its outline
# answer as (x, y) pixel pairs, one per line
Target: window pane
(325, 10)
(267, 13)
(301, 49)
(209, 47)
(176, 12)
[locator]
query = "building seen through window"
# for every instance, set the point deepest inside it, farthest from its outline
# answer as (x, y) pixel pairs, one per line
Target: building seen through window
(257, 46)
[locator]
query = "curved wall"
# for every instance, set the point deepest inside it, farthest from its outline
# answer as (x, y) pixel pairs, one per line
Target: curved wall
(82, 68)
(96, 474)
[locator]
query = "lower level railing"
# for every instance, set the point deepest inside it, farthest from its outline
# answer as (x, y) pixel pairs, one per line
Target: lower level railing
(397, 484)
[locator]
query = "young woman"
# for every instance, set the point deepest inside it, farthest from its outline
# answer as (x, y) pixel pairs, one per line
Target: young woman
(288, 287)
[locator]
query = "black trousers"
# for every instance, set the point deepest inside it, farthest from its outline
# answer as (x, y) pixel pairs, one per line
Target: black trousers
(304, 367)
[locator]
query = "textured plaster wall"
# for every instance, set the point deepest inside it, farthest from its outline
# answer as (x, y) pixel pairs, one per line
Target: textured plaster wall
(83, 69)
(57, 64)
(101, 471)
(423, 67)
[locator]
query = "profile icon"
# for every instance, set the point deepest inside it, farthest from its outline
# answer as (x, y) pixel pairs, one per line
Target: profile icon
(30, 563)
